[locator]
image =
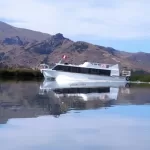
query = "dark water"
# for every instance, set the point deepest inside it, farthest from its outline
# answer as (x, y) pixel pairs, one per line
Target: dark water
(35, 117)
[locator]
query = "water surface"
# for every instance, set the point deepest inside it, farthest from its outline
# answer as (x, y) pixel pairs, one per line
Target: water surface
(35, 117)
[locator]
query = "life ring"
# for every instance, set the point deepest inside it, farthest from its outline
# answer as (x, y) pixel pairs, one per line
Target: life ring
(127, 78)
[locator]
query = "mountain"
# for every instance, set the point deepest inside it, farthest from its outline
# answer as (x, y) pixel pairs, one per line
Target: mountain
(8, 31)
(27, 48)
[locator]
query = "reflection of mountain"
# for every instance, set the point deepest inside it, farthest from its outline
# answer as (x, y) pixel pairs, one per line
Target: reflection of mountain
(135, 96)
(23, 100)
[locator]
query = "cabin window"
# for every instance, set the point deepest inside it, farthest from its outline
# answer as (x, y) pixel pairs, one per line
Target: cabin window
(94, 71)
(104, 72)
(83, 70)
(74, 69)
(66, 68)
(57, 67)
(89, 71)
(63, 68)
(79, 70)
(69, 69)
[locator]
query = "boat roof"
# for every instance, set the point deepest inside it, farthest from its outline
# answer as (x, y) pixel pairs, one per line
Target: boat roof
(93, 65)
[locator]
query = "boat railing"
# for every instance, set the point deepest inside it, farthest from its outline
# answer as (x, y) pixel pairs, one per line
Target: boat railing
(44, 66)
(103, 64)
(126, 73)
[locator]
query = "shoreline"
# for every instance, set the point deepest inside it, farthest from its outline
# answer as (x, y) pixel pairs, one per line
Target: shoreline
(20, 74)
(29, 74)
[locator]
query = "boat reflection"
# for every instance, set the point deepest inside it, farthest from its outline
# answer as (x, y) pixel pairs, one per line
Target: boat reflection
(31, 99)
(80, 95)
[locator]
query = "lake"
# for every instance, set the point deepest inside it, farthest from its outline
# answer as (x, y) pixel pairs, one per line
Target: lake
(85, 116)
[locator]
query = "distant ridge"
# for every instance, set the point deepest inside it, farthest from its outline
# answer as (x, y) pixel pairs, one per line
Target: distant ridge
(27, 48)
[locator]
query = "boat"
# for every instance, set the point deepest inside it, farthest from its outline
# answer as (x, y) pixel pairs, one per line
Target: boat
(85, 71)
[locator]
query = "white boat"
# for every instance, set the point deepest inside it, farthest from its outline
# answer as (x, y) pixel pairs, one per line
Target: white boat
(85, 71)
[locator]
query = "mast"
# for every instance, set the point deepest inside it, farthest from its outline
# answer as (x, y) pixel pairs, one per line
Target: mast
(63, 57)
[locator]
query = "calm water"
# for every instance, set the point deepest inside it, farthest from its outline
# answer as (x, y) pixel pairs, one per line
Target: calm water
(43, 116)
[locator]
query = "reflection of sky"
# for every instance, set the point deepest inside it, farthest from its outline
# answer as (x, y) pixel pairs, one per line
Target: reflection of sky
(142, 111)
(119, 127)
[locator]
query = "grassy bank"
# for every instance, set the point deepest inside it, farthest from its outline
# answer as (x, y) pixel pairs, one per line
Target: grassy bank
(20, 74)
(140, 75)
(143, 78)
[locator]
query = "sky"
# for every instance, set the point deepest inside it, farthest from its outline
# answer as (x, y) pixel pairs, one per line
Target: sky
(121, 24)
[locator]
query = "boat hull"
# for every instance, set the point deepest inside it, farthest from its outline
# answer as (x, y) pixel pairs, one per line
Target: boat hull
(49, 73)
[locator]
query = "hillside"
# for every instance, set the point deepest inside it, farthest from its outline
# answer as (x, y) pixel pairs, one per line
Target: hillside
(27, 48)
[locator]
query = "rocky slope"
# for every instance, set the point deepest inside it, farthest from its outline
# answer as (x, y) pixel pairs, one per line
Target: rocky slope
(26, 48)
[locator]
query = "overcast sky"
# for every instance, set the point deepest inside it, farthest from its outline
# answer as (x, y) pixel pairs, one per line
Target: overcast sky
(122, 24)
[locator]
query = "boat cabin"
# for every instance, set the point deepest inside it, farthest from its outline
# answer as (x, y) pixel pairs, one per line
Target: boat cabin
(89, 68)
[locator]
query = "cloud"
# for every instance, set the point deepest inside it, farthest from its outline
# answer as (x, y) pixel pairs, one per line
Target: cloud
(110, 19)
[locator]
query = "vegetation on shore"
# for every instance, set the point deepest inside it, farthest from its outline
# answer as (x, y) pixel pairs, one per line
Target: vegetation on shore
(30, 74)
(140, 76)
(20, 74)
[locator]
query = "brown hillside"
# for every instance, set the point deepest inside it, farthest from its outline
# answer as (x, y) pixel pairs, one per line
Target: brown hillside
(26, 48)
